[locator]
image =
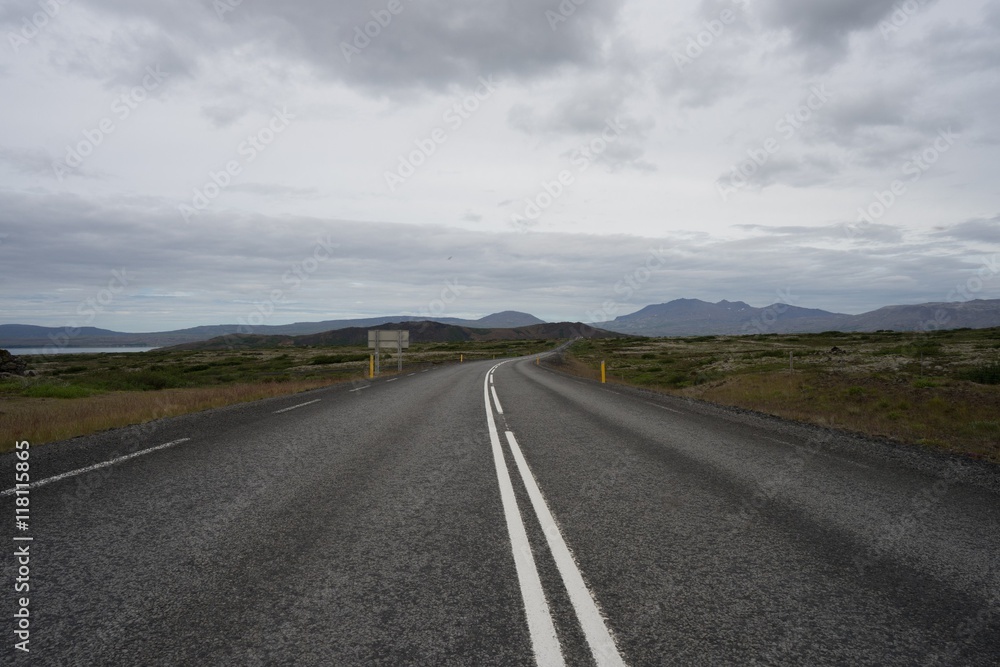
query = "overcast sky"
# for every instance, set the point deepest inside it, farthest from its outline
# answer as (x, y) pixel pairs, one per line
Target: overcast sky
(170, 164)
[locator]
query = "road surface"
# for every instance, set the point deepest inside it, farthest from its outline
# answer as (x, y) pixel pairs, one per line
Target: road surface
(501, 514)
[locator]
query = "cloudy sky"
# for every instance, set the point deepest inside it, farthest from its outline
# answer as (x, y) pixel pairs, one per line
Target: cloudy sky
(170, 164)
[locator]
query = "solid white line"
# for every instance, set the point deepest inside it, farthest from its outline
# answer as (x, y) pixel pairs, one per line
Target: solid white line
(544, 641)
(278, 412)
(496, 400)
(602, 645)
(96, 466)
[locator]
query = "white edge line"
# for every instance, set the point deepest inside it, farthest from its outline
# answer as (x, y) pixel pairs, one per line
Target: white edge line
(96, 466)
(277, 412)
(602, 645)
(544, 641)
(663, 407)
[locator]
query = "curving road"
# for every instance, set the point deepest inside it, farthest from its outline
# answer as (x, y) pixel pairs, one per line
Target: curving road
(502, 514)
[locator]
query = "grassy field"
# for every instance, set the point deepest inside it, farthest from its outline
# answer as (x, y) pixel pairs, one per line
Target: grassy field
(77, 394)
(939, 389)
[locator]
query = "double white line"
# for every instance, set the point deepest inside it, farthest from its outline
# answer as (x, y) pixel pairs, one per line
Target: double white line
(540, 625)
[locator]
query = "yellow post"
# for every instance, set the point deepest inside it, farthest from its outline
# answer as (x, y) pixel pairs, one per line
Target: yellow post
(604, 376)
(536, 361)
(371, 366)
(461, 358)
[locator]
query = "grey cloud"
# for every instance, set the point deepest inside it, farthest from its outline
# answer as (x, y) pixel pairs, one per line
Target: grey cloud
(820, 30)
(433, 44)
(983, 231)
(58, 243)
(27, 160)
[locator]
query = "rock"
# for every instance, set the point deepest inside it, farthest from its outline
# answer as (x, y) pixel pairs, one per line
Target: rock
(837, 350)
(11, 364)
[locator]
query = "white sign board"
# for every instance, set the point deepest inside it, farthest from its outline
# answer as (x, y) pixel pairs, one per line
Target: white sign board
(392, 340)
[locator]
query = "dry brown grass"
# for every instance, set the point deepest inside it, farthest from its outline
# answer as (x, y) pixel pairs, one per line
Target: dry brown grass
(961, 417)
(41, 420)
(911, 388)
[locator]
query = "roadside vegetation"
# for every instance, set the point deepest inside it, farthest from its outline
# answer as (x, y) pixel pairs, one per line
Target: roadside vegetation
(78, 394)
(939, 389)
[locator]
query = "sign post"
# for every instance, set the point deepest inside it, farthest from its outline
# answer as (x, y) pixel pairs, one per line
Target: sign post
(397, 340)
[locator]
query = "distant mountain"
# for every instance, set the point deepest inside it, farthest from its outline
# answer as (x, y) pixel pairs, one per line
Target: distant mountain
(26, 335)
(975, 314)
(693, 317)
(424, 331)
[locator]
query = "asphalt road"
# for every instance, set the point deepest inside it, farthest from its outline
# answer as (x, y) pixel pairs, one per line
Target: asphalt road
(372, 525)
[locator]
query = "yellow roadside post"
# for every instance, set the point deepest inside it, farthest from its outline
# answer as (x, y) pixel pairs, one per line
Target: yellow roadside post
(461, 358)
(604, 376)
(371, 366)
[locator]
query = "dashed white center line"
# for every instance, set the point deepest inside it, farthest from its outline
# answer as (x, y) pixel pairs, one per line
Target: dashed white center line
(411, 374)
(392, 379)
(96, 466)
(359, 388)
(278, 412)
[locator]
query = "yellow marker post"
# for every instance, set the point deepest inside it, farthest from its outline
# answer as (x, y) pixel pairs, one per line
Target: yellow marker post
(537, 363)
(461, 358)
(604, 376)
(371, 366)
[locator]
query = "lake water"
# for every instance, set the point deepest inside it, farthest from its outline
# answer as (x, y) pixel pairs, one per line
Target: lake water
(55, 349)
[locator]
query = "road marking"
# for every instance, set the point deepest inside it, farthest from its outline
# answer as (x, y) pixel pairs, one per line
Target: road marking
(663, 407)
(360, 388)
(781, 442)
(602, 645)
(96, 466)
(540, 626)
(411, 374)
(496, 400)
(392, 379)
(278, 412)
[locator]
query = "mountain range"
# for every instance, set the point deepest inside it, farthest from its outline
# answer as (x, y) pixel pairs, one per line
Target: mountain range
(693, 317)
(423, 331)
(681, 317)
